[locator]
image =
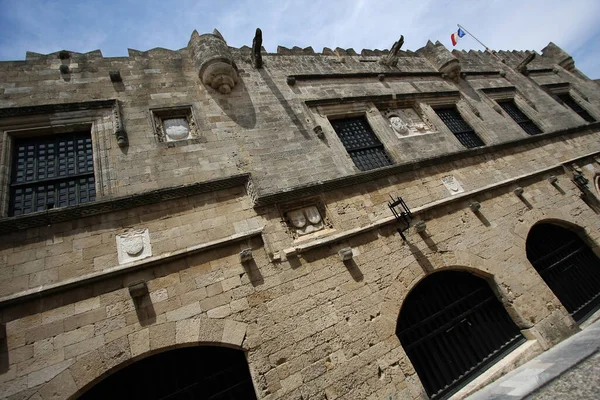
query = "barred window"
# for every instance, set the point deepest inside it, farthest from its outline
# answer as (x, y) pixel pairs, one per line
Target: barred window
(565, 98)
(519, 117)
(459, 127)
(360, 142)
(51, 171)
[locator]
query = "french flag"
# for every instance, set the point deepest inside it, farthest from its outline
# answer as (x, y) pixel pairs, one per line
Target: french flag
(457, 35)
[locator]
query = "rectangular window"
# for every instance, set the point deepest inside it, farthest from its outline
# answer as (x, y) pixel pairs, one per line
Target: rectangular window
(362, 145)
(459, 127)
(520, 118)
(565, 98)
(51, 171)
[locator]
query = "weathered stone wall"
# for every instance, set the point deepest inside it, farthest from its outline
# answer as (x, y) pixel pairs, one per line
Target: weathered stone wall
(313, 326)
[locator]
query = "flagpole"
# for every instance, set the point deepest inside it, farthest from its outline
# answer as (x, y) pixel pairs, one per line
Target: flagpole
(463, 28)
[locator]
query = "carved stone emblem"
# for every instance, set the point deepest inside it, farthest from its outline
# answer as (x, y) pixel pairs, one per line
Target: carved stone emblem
(133, 245)
(173, 124)
(399, 125)
(176, 129)
(453, 185)
(306, 220)
(408, 122)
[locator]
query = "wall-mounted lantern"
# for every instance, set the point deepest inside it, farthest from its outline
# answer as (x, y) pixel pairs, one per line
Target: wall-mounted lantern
(401, 213)
(552, 179)
(518, 191)
(475, 206)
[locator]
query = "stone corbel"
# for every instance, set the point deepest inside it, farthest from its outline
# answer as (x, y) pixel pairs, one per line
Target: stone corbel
(120, 133)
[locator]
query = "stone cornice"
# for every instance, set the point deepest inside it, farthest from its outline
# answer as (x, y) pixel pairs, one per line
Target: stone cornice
(368, 176)
(119, 270)
(55, 108)
(57, 215)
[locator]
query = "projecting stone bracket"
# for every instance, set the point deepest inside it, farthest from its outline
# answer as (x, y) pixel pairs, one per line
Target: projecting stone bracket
(213, 61)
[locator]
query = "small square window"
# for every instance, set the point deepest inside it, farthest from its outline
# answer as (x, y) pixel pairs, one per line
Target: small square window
(360, 142)
(459, 127)
(174, 124)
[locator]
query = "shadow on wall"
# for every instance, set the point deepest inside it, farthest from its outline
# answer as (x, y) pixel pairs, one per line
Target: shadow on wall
(237, 105)
(3, 349)
(284, 103)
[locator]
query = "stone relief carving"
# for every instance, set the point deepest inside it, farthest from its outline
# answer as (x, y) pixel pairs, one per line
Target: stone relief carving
(452, 184)
(133, 245)
(171, 125)
(305, 220)
(407, 122)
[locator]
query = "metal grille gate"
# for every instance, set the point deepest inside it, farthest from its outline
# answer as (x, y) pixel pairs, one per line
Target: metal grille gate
(568, 266)
(203, 372)
(452, 328)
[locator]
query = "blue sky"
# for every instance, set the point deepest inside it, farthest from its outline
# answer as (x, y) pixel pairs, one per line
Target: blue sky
(46, 26)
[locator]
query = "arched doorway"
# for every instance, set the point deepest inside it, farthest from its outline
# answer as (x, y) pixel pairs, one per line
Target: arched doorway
(201, 372)
(567, 265)
(452, 327)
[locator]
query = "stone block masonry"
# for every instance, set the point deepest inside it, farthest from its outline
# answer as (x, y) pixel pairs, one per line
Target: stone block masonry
(231, 222)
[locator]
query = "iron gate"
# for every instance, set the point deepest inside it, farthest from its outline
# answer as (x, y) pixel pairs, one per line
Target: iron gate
(568, 266)
(203, 372)
(452, 328)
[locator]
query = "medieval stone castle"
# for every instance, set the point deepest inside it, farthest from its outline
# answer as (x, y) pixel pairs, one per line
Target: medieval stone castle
(226, 223)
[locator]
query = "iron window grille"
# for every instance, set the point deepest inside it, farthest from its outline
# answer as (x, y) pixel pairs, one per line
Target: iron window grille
(519, 117)
(360, 142)
(566, 99)
(51, 171)
(459, 127)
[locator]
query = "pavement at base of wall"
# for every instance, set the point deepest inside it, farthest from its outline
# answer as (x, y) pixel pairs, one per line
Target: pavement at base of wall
(570, 370)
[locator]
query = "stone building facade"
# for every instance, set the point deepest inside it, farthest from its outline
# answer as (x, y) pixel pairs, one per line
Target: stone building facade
(227, 211)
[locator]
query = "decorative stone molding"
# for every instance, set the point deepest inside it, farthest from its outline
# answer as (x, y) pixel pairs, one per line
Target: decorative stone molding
(213, 61)
(305, 220)
(174, 124)
(133, 245)
(409, 122)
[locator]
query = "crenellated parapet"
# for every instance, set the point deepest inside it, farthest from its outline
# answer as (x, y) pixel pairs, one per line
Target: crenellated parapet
(558, 56)
(213, 61)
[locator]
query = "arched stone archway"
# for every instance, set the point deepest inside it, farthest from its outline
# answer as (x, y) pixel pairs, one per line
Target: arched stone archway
(452, 326)
(197, 372)
(92, 367)
(567, 264)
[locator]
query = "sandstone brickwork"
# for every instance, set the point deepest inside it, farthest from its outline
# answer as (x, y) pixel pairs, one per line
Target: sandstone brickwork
(312, 325)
